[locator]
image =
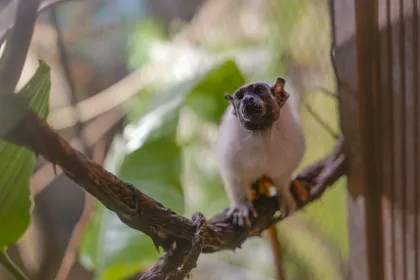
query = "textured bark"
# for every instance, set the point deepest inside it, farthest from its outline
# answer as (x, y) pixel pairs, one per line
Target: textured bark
(143, 213)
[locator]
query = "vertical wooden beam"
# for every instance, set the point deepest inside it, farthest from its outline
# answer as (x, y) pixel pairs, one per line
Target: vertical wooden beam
(370, 103)
(377, 65)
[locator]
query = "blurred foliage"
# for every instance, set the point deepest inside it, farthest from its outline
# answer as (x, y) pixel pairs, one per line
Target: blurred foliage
(283, 17)
(171, 145)
(16, 165)
(148, 32)
(154, 163)
(312, 257)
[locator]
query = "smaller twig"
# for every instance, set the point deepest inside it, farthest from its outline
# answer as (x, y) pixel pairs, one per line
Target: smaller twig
(116, 95)
(45, 5)
(330, 174)
(327, 127)
(177, 263)
(325, 172)
(326, 91)
(64, 61)
(11, 267)
(198, 243)
(15, 52)
(71, 250)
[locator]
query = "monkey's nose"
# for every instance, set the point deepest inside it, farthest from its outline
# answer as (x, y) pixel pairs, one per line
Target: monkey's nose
(249, 100)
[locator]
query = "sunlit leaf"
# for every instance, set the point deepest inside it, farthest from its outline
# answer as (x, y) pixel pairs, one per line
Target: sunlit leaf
(16, 165)
(207, 99)
(154, 164)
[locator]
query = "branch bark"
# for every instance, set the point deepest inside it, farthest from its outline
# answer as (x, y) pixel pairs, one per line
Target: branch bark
(176, 234)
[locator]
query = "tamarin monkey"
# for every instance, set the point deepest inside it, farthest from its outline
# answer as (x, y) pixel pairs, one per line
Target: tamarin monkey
(260, 135)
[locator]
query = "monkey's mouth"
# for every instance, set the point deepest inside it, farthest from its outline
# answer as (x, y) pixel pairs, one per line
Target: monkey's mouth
(253, 111)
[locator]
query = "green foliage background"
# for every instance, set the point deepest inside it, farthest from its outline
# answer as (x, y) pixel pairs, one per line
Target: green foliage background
(167, 151)
(16, 165)
(171, 156)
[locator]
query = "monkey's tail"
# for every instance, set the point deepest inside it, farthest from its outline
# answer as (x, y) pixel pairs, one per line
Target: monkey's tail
(276, 247)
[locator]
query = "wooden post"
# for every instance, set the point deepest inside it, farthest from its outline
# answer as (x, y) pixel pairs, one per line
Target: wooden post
(376, 60)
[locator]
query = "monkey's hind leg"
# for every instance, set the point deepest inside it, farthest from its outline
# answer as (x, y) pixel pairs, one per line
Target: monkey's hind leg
(285, 197)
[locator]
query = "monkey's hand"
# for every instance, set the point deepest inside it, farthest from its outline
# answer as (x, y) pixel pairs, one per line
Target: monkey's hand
(240, 213)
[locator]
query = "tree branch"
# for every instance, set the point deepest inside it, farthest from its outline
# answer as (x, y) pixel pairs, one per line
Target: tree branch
(70, 255)
(45, 5)
(17, 46)
(11, 267)
(12, 61)
(176, 234)
(182, 258)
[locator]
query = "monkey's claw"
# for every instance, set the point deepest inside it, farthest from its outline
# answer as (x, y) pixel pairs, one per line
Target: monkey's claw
(287, 203)
(240, 213)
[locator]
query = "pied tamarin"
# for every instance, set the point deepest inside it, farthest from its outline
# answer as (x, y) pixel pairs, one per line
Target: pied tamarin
(260, 136)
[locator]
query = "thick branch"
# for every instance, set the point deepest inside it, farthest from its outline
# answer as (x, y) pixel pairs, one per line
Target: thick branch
(143, 213)
(182, 258)
(14, 56)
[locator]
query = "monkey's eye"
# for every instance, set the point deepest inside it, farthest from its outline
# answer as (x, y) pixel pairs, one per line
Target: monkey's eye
(259, 90)
(239, 95)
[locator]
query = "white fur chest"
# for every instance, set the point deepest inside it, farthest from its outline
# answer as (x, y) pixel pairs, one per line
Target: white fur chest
(275, 152)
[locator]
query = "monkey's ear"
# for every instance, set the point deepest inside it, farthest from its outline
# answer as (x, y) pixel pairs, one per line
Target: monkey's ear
(278, 86)
(229, 97)
(279, 93)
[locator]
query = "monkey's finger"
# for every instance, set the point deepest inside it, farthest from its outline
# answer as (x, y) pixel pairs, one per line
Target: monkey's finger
(240, 220)
(284, 211)
(254, 212)
(248, 222)
(235, 218)
(230, 212)
(245, 212)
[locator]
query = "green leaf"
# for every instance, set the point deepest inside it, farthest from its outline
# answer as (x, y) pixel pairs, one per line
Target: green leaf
(154, 164)
(108, 245)
(12, 108)
(16, 165)
(207, 98)
(114, 250)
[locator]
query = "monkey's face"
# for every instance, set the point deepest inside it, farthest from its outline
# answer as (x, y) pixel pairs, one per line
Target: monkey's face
(257, 105)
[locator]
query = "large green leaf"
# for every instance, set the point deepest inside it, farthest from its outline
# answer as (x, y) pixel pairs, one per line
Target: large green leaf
(16, 166)
(207, 99)
(154, 164)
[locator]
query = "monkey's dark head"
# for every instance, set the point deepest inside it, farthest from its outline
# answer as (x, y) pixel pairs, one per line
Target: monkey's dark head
(257, 105)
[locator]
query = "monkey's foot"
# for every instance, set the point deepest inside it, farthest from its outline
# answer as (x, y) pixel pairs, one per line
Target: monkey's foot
(287, 203)
(240, 213)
